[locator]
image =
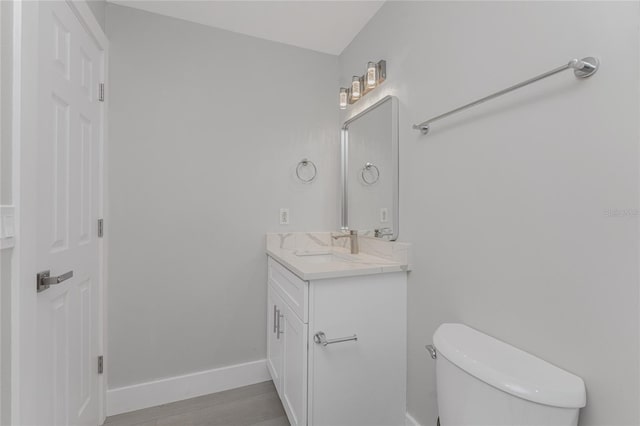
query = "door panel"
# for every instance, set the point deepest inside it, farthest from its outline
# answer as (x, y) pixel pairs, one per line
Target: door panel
(58, 170)
(60, 352)
(86, 175)
(69, 118)
(275, 306)
(294, 377)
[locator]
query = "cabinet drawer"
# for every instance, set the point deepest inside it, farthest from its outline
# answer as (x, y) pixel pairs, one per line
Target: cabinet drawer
(293, 290)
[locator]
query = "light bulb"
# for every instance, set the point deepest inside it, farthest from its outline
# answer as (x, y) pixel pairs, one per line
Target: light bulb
(372, 75)
(344, 96)
(355, 88)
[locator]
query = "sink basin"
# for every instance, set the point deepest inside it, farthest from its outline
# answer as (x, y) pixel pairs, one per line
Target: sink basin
(321, 257)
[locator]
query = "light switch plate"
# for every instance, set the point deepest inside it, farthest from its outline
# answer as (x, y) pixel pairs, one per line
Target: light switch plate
(284, 216)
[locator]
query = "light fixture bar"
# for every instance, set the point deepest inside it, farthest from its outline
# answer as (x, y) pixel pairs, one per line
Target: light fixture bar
(361, 85)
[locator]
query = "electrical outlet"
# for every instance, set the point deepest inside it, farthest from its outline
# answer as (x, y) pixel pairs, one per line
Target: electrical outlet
(284, 216)
(384, 215)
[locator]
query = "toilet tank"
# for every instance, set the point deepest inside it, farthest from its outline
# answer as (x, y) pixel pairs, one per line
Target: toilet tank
(483, 381)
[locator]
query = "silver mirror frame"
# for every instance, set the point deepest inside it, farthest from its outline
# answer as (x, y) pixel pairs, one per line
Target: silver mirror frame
(395, 161)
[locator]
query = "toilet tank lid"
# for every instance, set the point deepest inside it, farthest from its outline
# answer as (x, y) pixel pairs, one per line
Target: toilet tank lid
(508, 368)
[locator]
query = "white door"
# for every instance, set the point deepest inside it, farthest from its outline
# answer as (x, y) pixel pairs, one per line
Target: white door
(69, 128)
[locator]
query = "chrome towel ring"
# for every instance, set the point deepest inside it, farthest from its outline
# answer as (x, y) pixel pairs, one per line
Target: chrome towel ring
(304, 163)
(369, 167)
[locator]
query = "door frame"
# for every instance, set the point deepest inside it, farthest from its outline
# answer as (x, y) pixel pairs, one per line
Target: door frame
(24, 154)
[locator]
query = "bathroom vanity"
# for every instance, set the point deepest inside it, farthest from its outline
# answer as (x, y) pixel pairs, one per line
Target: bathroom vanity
(336, 315)
(336, 325)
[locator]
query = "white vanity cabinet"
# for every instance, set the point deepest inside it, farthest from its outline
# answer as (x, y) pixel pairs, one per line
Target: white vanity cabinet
(351, 382)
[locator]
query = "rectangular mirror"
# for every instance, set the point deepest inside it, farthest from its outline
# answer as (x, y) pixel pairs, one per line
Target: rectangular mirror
(370, 170)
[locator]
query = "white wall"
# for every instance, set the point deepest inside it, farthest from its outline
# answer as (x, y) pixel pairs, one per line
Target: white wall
(206, 129)
(508, 205)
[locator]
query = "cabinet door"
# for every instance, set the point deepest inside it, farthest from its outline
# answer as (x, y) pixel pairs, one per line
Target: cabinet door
(358, 383)
(294, 377)
(275, 311)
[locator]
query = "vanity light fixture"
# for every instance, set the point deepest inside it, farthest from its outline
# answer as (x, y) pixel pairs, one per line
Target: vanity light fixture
(344, 97)
(356, 86)
(372, 75)
(361, 85)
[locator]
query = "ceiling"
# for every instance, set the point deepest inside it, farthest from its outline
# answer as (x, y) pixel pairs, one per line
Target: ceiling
(321, 25)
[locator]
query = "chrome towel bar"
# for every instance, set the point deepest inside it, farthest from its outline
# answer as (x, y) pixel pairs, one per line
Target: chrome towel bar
(321, 339)
(582, 68)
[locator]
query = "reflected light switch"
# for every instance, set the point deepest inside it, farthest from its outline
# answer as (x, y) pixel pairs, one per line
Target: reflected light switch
(384, 215)
(284, 216)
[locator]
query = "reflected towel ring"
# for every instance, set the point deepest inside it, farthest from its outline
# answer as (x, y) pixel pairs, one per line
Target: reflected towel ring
(367, 168)
(305, 163)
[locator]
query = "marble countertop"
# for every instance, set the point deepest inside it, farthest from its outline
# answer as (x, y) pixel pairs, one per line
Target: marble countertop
(312, 256)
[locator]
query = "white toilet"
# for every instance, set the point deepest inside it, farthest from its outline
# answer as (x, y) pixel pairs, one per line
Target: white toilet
(483, 381)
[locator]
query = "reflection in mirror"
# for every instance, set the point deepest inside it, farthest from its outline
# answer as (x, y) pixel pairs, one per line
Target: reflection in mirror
(370, 170)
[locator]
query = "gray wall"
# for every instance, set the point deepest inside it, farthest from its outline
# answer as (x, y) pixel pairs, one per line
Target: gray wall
(99, 9)
(509, 206)
(206, 129)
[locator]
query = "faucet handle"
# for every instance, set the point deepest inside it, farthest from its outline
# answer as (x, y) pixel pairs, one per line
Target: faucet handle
(383, 232)
(342, 233)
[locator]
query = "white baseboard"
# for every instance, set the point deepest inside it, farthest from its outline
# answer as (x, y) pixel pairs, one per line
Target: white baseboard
(171, 389)
(411, 421)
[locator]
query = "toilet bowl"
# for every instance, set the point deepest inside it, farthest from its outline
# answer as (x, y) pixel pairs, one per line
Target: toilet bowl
(483, 381)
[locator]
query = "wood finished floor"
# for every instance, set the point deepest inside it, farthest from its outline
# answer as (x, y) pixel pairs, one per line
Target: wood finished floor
(255, 405)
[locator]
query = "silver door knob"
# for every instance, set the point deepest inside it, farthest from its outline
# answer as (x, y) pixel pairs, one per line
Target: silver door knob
(44, 279)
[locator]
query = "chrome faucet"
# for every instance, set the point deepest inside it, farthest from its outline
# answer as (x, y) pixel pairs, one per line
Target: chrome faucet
(353, 238)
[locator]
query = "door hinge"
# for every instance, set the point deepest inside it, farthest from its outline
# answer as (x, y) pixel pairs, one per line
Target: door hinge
(100, 228)
(100, 364)
(101, 92)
